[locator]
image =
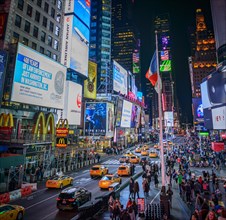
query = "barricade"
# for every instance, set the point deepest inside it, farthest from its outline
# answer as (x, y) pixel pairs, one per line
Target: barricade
(4, 198)
(32, 185)
(26, 191)
(16, 194)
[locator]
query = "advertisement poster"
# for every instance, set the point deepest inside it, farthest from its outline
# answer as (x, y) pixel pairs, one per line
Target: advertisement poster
(135, 116)
(95, 118)
(126, 114)
(198, 113)
(73, 103)
(219, 118)
(119, 113)
(110, 120)
(141, 205)
(90, 85)
(3, 58)
(38, 80)
(119, 78)
(79, 7)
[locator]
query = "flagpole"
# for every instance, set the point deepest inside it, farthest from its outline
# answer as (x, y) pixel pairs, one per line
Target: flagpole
(160, 115)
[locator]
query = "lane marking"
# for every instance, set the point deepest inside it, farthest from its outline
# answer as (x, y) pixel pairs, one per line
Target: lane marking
(154, 198)
(47, 216)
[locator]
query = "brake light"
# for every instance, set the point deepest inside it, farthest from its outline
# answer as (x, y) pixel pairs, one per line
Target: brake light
(58, 199)
(71, 200)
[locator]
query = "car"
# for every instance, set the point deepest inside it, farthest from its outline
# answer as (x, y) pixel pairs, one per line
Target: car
(124, 170)
(153, 154)
(98, 170)
(129, 154)
(145, 147)
(108, 179)
(11, 212)
(124, 159)
(134, 159)
(138, 150)
(144, 152)
(73, 197)
(59, 181)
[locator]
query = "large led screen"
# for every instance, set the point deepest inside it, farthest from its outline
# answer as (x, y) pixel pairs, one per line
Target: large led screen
(165, 66)
(119, 113)
(120, 78)
(81, 8)
(3, 58)
(73, 103)
(198, 113)
(95, 118)
(75, 46)
(110, 120)
(38, 80)
(126, 114)
(219, 118)
(135, 116)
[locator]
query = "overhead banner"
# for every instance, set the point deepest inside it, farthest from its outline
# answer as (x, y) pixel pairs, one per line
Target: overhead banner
(75, 46)
(73, 103)
(38, 80)
(119, 78)
(90, 85)
(126, 114)
(110, 120)
(95, 118)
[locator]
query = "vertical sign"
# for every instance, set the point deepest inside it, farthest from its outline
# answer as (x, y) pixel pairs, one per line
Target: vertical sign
(3, 57)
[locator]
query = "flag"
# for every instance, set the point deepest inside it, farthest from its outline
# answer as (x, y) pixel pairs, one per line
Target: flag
(152, 74)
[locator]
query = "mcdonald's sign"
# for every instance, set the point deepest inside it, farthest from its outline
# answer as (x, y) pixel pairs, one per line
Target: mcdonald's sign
(44, 125)
(6, 126)
(62, 128)
(61, 142)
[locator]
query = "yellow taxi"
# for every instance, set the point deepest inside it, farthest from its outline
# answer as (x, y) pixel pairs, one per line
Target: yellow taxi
(145, 147)
(144, 152)
(129, 154)
(11, 212)
(138, 150)
(108, 179)
(134, 159)
(59, 181)
(153, 154)
(98, 170)
(124, 159)
(124, 170)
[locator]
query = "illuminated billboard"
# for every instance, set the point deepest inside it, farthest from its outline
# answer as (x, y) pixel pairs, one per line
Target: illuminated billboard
(136, 63)
(95, 118)
(126, 114)
(110, 120)
(119, 78)
(139, 96)
(73, 103)
(119, 113)
(90, 85)
(198, 114)
(165, 66)
(3, 58)
(38, 80)
(81, 8)
(75, 46)
(135, 116)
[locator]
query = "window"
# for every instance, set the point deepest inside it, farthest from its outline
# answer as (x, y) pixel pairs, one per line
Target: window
(48, 53)
(42, 50)
(15, 38)
(27, 26)
(37, 16)
(34, 46)
(50, 41)
(29, 10)
(56, 45)
(44, 21)
(25, 41)
(58, 18)
(52, 12)
(57, 30)
(18, 21)
(51, 25)
(20, 4)
(46, 7)
(39, 3)
(35, 32)
(59, 4)
(43, 36)
(54, 56)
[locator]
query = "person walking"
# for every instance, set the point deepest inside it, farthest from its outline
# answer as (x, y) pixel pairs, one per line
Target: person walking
(145, 188)
(156, 181)
(136, 189)
(131, 188)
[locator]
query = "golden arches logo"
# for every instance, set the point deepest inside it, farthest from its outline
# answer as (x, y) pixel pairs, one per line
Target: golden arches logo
(6, 120)
(62, 123)
(61, 142)
(44, 125)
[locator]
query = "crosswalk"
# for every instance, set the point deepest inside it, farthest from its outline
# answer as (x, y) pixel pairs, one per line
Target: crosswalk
(111, 162)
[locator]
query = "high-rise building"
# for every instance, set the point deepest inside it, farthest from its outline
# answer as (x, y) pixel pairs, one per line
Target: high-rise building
(100, 43)
(203, 60)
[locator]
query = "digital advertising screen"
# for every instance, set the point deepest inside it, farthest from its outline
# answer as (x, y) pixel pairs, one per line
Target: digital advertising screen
(73, 103)
(126, 114)
(119, 78)
(136, 63)
(165, 66)
(198, 113)
(95, 118)
(110, 120)
(219, 118)
(119, 113)
(139, 96)
(3, 58)
(135, 116)
(38, 80)
(81, 8)
(168, 119)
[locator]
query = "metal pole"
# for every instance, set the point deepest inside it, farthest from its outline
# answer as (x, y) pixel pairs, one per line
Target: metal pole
(160, 115)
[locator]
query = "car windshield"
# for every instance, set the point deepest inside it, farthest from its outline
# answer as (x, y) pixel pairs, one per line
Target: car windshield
(133, 157)
(106, 178)
(95, 168)
(55, 178)
(122, 168)
(66, 195)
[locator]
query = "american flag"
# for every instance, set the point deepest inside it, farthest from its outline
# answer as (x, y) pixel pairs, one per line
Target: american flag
(136, 57)
(165, 55)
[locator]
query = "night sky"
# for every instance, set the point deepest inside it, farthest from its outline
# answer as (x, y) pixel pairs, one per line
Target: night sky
(182, 16)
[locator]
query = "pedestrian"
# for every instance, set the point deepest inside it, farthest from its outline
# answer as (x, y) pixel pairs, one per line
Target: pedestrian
(211, 216)
(131, 188)
(136, 189)
(116, 209)
(156, 181)
(169, 192)
(145, 187)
